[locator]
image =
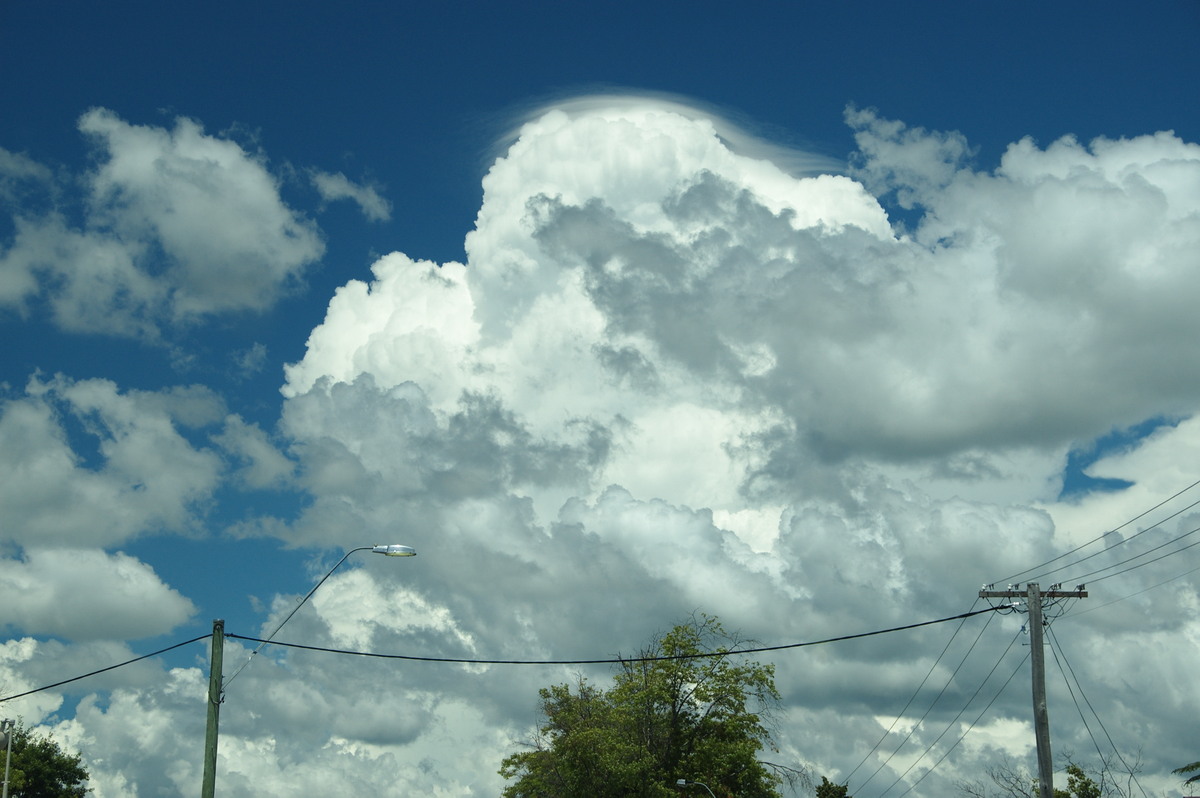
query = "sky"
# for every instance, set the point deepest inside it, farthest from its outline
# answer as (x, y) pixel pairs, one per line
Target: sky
(813, 317)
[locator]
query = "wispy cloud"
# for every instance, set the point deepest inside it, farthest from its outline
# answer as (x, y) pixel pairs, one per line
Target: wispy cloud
(336, 186)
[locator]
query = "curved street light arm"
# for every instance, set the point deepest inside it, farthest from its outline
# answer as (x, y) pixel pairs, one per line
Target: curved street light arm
(392, 550)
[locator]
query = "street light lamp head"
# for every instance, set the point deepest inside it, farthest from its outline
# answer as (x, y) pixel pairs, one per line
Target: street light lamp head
(395, 550)
(686, 783)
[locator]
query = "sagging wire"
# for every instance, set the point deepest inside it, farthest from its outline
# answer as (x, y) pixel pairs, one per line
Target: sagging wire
(954, 720)
(1056, 649)
(937, 698)
(1021, 574)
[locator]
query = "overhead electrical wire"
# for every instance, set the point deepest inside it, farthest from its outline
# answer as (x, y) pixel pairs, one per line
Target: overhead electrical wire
(1093, 608)
(932, 704)
(1176, 539)
(954, 720)
(1126, 540)
(104, 670)
(1074, 700)
(1055, 649)
(610, 661)
(1143, 514)
(916, 692)
(967, 731)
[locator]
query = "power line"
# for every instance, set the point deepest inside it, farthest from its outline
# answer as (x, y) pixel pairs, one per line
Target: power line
(1137, 556)
(913, 697)
(1121, 542)
(963, 736)
(1138, 593)
(1056, 649)
(1021, 574)
(616, 661)
(611, 661)
(104, 670)
(954, 720)
(932, 704)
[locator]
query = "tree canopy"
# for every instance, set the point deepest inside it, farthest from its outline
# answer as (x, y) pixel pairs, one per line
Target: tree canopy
(40, 768)
(672, 713)
(828, 789)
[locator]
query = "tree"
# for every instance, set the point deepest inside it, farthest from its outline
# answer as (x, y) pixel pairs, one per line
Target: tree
(827, 789)
(1193, 768)
(40, 768)
(1011, 781)
(672, 713)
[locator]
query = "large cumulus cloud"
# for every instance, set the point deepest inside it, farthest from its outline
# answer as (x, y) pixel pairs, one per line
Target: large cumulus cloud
(675, 374)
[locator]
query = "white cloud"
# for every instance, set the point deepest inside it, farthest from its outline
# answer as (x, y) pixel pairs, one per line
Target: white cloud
(179, 226)
(263, 465)
(336, 186)
(130, 472)
(252, 360)
(674, 377)
(231, 242)
(98, 286)
(654, 332)
(424, 306)
(87, 594)
(23, 179)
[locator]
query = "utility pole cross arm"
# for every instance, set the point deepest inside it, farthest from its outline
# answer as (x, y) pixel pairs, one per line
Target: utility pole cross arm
(1046, 594)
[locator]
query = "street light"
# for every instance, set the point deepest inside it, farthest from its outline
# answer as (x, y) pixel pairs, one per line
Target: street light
(217, 682)
(686, 783)
(391, 550)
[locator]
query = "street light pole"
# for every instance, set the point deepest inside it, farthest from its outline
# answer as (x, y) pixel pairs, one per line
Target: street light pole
(7, 726)
(217, 682)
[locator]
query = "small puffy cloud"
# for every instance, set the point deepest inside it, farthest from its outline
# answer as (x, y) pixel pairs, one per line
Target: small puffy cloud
(336, 186)
(215, 210)
(88, 594)
(252, 360)
(425, 306)
(97, 283)
(179, 226)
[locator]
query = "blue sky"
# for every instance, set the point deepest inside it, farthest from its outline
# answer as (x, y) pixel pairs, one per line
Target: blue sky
(783, 313)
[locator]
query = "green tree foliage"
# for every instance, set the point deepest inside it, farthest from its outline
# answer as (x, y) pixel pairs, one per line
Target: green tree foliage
(669, 715)
(1193, 768)
(1079, 784)
(827, 789)
(40, 768)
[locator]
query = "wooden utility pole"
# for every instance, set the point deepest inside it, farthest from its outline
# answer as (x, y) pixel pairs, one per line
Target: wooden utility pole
(215, 688)
(1041, 717)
